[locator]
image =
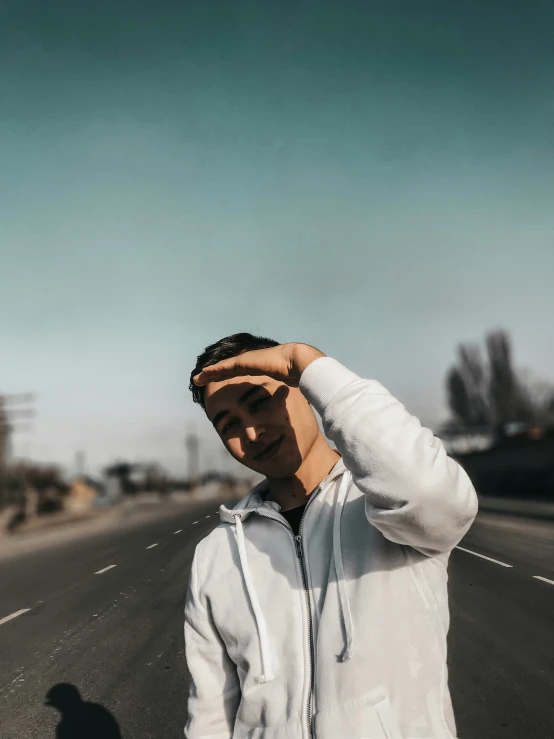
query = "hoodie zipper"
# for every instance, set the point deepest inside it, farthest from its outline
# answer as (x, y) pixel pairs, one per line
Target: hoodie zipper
(300, 554)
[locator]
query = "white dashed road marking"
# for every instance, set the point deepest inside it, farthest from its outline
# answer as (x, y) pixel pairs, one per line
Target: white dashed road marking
(152, 546)
(194, 522)
(177, 532)
(503, 564)
(544, 579)
(13, 615)
(105, 569)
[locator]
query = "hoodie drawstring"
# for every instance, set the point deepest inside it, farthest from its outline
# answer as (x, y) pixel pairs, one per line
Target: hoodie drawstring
(260, 621)
(337, 554)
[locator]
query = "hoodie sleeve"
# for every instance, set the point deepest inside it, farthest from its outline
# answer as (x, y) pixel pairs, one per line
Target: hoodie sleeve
(415, 493)
(214, 693)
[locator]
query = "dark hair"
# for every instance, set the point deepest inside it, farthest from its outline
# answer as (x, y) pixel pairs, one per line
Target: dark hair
(230, 346)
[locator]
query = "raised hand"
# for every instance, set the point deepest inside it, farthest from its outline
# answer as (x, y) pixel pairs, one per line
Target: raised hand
(285, 362)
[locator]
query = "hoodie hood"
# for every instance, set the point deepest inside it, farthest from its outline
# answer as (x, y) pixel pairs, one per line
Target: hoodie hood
(255, 502)
(255, 499)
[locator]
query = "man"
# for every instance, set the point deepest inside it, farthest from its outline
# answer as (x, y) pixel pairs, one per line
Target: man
(318, 608)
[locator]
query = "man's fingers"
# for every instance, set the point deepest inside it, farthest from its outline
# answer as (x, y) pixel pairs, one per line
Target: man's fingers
(207, 375)
(199, 379)
(223, 371)
(274, 362)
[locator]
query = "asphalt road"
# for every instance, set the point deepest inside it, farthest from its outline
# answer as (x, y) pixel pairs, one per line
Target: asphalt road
(118, 635)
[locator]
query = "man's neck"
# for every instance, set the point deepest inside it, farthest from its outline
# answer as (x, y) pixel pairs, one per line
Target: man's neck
(293, 491)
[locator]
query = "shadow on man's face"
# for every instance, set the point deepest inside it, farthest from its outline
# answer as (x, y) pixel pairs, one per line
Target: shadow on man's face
(270, 407)
(80, 719)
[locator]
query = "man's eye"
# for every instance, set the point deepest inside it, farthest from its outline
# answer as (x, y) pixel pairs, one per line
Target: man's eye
(227, 426)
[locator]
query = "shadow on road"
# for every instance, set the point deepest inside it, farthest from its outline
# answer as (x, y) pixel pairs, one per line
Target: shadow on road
(80, 719)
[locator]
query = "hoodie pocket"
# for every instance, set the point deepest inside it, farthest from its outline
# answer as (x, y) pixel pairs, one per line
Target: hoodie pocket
(369, 717)
(242, 731)
(387, 719)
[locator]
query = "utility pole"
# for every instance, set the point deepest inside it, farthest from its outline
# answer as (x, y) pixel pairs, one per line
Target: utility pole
(7, 427)
(224, 456)
(79, 463)
(193, 466)
(4, 443)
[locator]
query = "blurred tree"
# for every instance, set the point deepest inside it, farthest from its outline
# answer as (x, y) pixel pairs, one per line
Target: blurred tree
(122, 471)
(491, 392)
(539, 395)
(467, 386)
(155, 478)
(508, 399)
(44, 476)
(45, 481)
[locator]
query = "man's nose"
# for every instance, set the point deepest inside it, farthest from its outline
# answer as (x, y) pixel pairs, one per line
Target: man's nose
(253, 433)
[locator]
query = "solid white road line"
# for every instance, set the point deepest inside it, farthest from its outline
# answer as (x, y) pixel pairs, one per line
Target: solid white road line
(177, 532)
(537, 577)
(105, 569)
(152, 546)
(14, 615)
(503, 564)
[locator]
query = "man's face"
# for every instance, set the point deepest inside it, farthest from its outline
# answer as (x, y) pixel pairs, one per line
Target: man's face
(252, 412)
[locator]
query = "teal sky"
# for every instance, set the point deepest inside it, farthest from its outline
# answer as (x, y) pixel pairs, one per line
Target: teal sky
(376, 179)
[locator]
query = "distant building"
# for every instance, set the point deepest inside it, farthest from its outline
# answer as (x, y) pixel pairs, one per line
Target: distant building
(82, 493)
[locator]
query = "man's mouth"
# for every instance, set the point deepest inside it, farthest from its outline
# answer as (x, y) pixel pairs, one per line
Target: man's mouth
(271, 449)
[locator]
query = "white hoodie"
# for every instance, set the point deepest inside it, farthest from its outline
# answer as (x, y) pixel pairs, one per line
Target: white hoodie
(339, 633)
